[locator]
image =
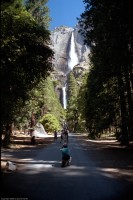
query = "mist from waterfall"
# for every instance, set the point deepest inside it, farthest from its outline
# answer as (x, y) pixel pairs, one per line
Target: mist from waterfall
(73, 58)
(64, 97)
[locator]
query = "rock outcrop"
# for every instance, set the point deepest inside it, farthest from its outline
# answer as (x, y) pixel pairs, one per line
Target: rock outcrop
(70, 54)
(61, 44)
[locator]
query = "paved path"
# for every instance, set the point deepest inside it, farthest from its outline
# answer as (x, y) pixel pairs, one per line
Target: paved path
(42, 178)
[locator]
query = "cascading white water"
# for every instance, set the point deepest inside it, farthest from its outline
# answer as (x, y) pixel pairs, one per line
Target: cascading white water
(64, 97)
(72, 61)
(73, 58)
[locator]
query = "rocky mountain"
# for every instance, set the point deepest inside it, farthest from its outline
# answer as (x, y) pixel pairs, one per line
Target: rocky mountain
(62, 43)
(70, 53)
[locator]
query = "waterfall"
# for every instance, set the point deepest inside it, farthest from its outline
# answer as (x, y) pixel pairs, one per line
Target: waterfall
(73, 58)
(64, 97)
(72, 61)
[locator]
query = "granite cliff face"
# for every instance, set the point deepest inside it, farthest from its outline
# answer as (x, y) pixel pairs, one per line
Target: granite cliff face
(70, 54)
(62, 43)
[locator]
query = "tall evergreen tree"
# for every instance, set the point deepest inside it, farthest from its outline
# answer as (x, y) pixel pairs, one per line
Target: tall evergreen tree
(26, 57)
(39, 11)
(42, 100)
(72, 92)
(108, 29)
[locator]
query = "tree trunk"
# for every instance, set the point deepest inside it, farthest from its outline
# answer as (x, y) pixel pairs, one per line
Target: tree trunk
(8, 133)
(131, 75)
(129, 101)
(124, 115)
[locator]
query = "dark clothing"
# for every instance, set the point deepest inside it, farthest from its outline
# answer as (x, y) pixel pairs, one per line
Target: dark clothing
(65, 153)
(64, 136)
(55, 135)
(65, 157)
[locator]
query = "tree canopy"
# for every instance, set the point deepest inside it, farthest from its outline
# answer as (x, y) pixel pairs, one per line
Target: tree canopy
(108, 30)
(39, 11)
(26, 57)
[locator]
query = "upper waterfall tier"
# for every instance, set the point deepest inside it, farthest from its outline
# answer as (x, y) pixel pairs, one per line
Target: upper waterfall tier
(73, 57)
(62, 45)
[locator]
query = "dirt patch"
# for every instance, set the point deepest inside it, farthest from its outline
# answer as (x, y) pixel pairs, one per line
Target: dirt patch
(25, 141)
(109, 156)
(21, 149)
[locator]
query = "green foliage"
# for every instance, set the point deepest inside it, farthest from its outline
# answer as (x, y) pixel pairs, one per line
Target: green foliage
(108, 30)
(76, 100)
(50, 122)
(41, 100)
(26, 57)
(101, 102)
(72, 91)
(49, 100)
(81, 102)
(72, 99)
(39, 11)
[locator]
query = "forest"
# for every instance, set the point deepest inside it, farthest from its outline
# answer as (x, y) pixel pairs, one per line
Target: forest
(103, 102)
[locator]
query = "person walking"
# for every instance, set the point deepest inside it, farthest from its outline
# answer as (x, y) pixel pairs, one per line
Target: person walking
(61, 136)
(66, 135)
(55, 135)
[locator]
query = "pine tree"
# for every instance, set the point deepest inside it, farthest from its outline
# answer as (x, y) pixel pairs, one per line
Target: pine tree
(26, 57)
(72, 92)
(39, 11)
(108, 30)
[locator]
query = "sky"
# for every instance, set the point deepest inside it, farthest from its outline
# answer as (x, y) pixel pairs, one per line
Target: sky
(65, 12)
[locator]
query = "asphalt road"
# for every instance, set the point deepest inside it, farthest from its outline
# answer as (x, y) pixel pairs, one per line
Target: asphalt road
(42, 178)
